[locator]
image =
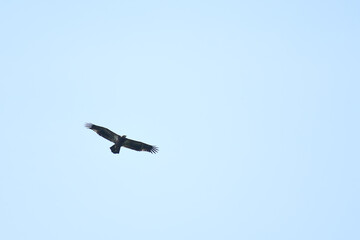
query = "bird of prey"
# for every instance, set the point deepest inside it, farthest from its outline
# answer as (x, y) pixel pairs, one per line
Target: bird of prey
(121, 141)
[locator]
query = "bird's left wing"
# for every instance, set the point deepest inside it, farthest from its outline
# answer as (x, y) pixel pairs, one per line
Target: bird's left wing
(139, 146)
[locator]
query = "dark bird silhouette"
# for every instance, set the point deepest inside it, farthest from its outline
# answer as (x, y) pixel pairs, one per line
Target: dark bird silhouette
(121, 141)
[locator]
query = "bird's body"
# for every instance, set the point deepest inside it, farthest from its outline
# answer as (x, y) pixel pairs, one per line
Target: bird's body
(121, 141)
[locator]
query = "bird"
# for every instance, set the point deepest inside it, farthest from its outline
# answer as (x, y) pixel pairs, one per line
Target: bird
(121, 141)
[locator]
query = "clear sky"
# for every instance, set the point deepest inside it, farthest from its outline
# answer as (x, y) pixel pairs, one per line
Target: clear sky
(254, 106)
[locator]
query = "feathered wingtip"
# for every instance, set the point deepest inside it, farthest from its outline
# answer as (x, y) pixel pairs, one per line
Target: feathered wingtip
(88, 125)
(154, 149)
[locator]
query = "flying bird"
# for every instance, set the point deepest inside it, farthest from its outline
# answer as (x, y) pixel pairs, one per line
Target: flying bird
(121, 141)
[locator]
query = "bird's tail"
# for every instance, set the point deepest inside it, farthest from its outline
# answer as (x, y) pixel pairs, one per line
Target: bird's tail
(115, 148)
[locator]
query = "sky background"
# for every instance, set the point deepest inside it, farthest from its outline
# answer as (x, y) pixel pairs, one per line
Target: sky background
(254, 106)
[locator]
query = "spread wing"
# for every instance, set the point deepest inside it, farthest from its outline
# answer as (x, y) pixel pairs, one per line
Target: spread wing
(104, 132)
(139, 146)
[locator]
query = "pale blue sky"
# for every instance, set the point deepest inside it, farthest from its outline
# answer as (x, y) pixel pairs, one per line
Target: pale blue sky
(254, 106)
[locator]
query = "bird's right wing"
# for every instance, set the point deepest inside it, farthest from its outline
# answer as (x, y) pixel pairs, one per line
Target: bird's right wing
(104, 132)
